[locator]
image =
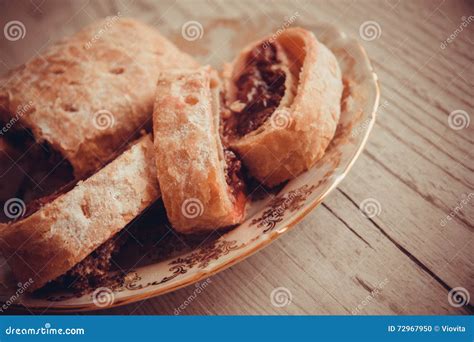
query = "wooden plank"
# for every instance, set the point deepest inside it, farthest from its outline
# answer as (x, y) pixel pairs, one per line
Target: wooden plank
(413, 222)
(430, 181)
(425, 148)
(408, 111)
(413, 61)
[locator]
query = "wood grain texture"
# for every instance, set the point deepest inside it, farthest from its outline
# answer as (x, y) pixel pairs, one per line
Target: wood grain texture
(338, 261)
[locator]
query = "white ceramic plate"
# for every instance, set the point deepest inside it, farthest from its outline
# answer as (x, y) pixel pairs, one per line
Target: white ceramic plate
(268, 218)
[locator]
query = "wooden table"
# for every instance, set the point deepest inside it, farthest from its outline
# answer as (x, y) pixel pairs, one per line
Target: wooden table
(406, 259)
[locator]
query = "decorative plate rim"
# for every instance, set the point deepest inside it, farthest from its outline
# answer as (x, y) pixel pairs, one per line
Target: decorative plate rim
(266, 239)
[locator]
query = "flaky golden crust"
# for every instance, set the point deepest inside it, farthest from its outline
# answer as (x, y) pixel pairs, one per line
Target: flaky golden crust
(92, 91)
(59, 235)
(191, 164)
(300, 129)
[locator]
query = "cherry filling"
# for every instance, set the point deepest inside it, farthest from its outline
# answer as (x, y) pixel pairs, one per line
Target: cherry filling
(233, 173)
(45, 169)
(94, 270)
(259, 90)
(115, 254)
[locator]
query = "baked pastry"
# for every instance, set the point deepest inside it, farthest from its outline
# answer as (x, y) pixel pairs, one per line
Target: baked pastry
(59, 231)
(200, 179)
(283, 96)
(88, 95)
(277, 112)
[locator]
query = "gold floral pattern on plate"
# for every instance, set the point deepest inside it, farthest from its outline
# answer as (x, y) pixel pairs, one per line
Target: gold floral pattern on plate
(279, 205)
(200, 259)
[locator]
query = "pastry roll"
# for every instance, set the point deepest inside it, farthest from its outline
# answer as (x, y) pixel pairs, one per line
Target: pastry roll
(57, 232)
(283, 96)
(87, 96)
(199, 178)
